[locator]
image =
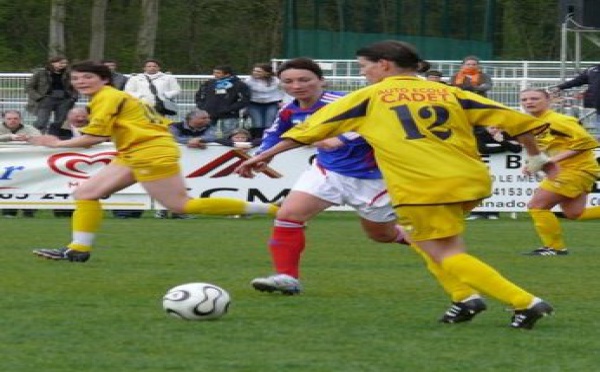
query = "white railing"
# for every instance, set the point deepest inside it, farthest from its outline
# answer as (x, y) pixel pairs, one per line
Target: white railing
(506, 90)
(497, 69)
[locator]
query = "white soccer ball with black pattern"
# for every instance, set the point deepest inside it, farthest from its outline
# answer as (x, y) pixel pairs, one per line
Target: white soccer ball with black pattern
(196, 301)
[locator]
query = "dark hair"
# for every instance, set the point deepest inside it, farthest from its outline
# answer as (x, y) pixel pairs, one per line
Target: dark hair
(434, 73)
(302, 63)
(153, 60)
(54, 59)
(225, 68)
(402, 54)
(268, 69)
(92, 67)
(424, 66)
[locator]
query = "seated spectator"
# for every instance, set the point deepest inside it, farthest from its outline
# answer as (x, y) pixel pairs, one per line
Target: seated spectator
(13, 129)
(195, 131)
(77, 117)
(240, 138)
(434, 75)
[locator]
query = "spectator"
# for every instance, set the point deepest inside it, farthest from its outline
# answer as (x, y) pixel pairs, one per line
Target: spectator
(240, 138)
(153, 86)
(77, 118)
(12, 129)
(434, 75)
(591, 97)
(223, 98)
(492, 140)
(569, 145)
(195, 131)
(471, 78)
(49, 93)
(265, 98)
(117, 79)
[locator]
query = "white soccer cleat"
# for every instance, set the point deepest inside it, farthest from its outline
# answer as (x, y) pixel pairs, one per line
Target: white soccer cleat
(283, 283)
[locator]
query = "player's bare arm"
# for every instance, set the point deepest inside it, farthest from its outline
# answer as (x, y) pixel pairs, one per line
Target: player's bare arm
(537, 161)
(52, 141)
(256, 163)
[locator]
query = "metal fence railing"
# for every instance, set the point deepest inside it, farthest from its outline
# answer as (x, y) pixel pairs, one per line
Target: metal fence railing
(506, 91)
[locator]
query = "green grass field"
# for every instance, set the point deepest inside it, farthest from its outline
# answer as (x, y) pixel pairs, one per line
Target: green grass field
(366, 306)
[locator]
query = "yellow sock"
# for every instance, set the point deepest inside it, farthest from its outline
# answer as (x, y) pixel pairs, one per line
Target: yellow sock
(591, 213)
(486, 279)
(227, 206)
(457, 290)
(86, 221)
(548, 228)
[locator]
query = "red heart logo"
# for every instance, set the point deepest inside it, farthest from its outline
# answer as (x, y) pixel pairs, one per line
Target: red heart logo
(74, 164)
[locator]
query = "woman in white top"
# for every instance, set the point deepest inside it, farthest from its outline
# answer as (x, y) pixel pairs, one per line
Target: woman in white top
(139, 85)
(265, 98)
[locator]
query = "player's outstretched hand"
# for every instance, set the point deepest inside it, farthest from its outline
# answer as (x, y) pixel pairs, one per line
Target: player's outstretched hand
(252, 165)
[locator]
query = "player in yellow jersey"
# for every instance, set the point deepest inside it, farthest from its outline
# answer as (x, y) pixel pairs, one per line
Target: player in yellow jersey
(146, 153)
(571, 147)
(422, 136)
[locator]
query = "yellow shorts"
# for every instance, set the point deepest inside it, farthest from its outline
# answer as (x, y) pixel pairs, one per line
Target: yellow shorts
(151, 163)
(569, 183)
(427, 222)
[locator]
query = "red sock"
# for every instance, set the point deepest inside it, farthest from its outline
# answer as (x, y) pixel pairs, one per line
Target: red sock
(286, 244)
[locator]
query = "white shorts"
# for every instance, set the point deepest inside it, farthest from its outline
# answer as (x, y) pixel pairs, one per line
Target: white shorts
(368, 197)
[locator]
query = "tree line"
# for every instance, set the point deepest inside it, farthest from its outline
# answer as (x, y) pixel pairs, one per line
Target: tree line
(193, 36)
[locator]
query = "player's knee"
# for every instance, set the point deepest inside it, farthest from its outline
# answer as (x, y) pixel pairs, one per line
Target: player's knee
(382, 236)
(572, 215)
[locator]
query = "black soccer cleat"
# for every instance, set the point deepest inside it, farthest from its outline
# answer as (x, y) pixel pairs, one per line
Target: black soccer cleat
(463, 311)
(545, 251)
(63, 254)
(526, 319)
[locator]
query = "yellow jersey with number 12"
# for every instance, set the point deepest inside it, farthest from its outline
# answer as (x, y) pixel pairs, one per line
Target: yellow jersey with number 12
(131, 124)
(422, 136)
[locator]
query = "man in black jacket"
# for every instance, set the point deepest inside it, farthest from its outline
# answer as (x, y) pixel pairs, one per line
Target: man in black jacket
(591, 98)
(223, 98)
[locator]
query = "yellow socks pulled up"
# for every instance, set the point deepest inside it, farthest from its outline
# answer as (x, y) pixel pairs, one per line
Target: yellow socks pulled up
(86, 221)
(548, 228)
(457, 290)
(486, 279)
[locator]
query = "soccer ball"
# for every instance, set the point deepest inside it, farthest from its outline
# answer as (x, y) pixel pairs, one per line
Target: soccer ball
(196, 301)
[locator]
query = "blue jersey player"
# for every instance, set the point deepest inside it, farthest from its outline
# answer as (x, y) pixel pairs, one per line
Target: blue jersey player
(344, 172)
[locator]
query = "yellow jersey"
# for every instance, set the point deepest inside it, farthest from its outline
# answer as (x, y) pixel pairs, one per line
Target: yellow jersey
(565, 133)
(131, 124)
(422, 136)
